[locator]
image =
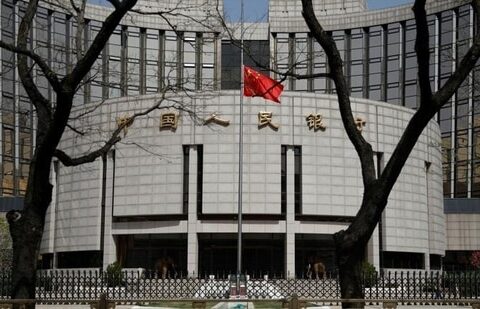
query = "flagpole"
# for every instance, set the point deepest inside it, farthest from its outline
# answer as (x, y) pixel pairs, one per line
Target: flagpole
(240, 158)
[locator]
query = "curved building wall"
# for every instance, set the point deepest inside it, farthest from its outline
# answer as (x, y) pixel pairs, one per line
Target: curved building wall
(148, 174)
(144, 53)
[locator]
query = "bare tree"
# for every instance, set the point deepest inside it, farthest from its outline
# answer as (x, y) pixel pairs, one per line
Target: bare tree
(26, 226)
(350, 243)
(53, 116)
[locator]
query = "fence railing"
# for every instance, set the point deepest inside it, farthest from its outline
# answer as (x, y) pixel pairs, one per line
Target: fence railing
(292, 302)
(140, 284)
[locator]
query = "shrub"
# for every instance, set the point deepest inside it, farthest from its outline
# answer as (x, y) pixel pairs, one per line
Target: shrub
(475, 259)
(114, 274)
(369, 274)
(5, 245)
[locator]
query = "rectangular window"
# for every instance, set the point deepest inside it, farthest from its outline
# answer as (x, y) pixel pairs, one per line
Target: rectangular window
(297, 152)
(208, 61)
(7, 176)
(257, 51)
(446, 163)
(186, 176)
(283, 172)
(114, 63)
(406, 260)
(96, 72)
(476, 163)
(461, 166)
(133, 61)
(301, 60)
(393, 63)
(79, 259)
(319, 66)
(190, 53)
(152, 60)
(199, 178)
(298, 179)
(230, 66)
(59, 44)
(170, 57)
(186, 179)
(375, 54)
(435, 261)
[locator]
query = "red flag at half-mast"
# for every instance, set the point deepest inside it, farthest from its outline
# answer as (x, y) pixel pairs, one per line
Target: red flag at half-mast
(258, 85)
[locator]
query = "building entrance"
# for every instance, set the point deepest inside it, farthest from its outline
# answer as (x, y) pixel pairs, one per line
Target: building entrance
(313, 247)
(262, 254)
(144, 250)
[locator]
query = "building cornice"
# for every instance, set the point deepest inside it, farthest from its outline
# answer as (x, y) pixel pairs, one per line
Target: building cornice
(292, 21)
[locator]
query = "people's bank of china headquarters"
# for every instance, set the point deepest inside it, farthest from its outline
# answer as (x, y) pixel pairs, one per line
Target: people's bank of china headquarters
(171, 184)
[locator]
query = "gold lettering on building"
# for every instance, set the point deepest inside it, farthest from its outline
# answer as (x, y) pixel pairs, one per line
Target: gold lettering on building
(360, 122)
(265, 119)
(124, 122)
(169, 121)
(315, 122)
(214, 118)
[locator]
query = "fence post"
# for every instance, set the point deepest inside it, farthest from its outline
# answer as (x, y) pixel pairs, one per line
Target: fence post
(103, 303)
(294, 303)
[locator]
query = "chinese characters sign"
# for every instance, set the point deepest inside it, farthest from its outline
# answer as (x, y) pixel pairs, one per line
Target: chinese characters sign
(315, 122)
(265, 119)
(169, 121)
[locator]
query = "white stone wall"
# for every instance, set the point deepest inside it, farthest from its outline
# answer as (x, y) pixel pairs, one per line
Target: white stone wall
(149, 170)
(463, 231)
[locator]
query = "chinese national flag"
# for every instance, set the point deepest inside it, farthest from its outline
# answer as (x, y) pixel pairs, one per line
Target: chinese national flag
(259, 85)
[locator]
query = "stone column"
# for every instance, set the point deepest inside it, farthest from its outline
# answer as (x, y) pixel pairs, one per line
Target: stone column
(373, 249)
(192, 239)
(290, 216)
(109, 247)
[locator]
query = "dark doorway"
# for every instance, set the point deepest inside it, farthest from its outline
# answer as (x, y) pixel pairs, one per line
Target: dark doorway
(262, 254)
(313, 246)
(144, 250)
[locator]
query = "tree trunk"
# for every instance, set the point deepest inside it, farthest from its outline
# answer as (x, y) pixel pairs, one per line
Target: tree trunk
(26, 228)
(349, 261)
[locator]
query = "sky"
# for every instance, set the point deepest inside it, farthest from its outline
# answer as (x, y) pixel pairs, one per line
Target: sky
(256, 10)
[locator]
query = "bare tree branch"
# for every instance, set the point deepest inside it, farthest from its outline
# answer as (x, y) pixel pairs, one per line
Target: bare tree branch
(49, 74)
(114, 138)
(463, 68)
(289, 73)
(427, 109)
(80, 17)
(422, 50)
(83, 65)
(40, 102)
(75, 130)
(74, 6)
(363, 148)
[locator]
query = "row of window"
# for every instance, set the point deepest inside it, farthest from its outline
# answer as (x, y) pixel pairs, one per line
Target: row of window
(380, 64)
(135, 60)
(217, 253)
(379, 61)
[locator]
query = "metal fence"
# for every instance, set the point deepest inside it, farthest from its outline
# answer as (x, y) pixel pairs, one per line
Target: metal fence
(140, 284)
